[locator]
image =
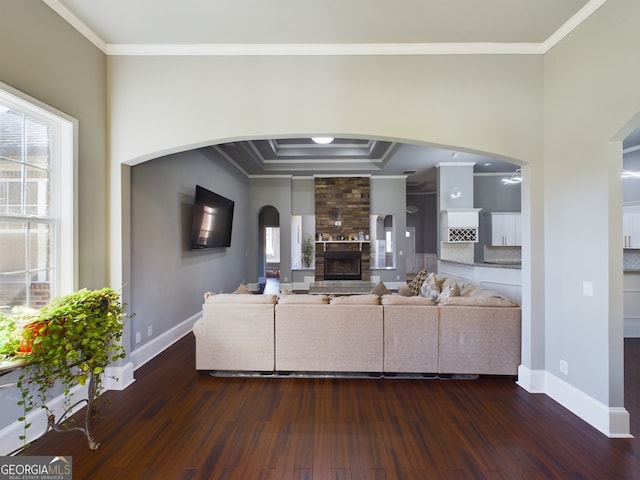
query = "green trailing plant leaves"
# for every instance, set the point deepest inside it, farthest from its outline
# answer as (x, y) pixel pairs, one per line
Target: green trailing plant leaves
(73, 337)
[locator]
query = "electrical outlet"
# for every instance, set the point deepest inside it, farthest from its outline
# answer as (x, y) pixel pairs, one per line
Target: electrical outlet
(564, 367)
(138, 337)
(149, 331)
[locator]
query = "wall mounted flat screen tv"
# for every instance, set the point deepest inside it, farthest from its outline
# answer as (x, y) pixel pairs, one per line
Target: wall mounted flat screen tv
(212, 220)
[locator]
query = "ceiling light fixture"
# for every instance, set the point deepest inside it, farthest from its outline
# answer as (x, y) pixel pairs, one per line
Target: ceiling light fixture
(412, 209)
(516, 177)
(322, 140)
(630, 174)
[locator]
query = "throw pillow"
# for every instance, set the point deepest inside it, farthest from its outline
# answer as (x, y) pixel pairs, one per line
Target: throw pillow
(449, 289)
(405, 291)
(431, 287)
(416, 283)
(242, 289)
(380, 289)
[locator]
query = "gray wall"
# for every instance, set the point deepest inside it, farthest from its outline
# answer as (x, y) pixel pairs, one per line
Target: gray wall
(44, 57)
(491, 195)
(276, 192)
(388, 198)
(425, 221)
(168, 279)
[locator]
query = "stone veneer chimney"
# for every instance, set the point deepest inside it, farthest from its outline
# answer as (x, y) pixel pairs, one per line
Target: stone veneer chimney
(342, 209)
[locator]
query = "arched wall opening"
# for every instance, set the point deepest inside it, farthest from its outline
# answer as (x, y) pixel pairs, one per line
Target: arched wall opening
(268, 244)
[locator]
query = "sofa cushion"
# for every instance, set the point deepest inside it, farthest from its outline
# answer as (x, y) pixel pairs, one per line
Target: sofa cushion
(480, 298)
(367, 299)
(304, 298)
(380, 289)
(240, 299)
(394, 299)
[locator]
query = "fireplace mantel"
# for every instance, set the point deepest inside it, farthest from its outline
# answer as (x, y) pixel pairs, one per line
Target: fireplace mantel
(350, 242)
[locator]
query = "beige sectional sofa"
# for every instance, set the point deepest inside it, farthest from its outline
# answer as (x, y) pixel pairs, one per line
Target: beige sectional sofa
(345, 335)
(388, 334)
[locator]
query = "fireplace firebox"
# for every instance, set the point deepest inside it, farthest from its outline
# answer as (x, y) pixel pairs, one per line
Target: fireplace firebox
(342, 265)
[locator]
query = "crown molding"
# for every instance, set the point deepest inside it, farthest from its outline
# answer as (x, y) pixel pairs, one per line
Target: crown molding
(582, 14)
(351, 49)
(76, 23)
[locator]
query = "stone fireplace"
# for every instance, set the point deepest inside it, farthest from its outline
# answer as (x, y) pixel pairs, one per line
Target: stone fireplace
(342, 212)
(342, 265)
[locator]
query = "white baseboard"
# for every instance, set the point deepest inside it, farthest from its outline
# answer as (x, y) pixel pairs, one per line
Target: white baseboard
(118, 377)
(10, 441)
(533, 381)
(149, 350)
(612, 421)
(631, 327)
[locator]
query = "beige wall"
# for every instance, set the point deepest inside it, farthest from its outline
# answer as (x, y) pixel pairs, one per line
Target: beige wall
(44, 57)
(483, 103)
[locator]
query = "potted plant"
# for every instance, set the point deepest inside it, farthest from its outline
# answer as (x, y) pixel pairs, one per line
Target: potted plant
(308, 250)
(70, 342)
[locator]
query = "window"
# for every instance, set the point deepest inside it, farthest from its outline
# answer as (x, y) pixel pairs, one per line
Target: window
(36, 202)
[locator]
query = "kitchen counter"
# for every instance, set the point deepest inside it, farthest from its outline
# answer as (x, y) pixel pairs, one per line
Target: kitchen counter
(505, 278)
(512, 265)
(499, 265)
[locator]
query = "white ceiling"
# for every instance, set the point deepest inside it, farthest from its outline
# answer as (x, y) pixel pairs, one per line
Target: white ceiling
(306, 27)
(323, 22)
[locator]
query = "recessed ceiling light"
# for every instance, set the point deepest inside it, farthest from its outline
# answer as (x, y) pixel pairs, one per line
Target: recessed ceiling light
(322, 140)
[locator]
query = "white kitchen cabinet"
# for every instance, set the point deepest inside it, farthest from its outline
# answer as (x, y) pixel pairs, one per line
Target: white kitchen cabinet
(631, 226)
(506, 229)
(460, 225)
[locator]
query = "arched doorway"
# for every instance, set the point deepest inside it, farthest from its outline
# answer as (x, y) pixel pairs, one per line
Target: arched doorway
(269, 249)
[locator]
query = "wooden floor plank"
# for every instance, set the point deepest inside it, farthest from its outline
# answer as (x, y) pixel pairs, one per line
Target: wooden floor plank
(174, 422)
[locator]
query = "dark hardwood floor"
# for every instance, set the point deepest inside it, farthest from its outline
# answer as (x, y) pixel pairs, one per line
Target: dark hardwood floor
(176, 423)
